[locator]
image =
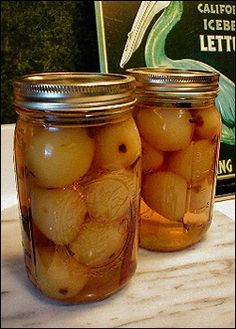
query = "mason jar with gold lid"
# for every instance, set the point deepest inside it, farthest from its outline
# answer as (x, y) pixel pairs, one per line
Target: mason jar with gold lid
(77, 161)
(180, 129)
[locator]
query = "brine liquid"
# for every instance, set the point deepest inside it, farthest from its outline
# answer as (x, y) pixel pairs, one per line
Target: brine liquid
(79, 190)
(180, 149)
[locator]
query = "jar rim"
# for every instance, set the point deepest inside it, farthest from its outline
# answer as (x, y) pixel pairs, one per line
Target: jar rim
(172, 83)
(60, 91)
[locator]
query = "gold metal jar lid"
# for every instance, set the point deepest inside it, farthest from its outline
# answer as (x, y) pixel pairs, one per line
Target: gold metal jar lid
(153, 83)
(82, 92)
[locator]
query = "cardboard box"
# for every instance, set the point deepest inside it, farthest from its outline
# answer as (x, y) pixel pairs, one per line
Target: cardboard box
(186, 34)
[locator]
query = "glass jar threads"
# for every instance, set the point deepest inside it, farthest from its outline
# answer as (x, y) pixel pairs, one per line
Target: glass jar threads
(180, 130)
(77, 162)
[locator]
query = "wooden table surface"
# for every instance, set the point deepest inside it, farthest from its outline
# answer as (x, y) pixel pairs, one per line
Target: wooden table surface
(193, 288)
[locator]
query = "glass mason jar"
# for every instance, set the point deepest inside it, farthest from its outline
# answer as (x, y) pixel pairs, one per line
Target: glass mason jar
(77, 161)
(180, 129)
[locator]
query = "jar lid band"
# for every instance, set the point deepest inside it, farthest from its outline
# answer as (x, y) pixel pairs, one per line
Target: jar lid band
(59, 91)
(168, 83)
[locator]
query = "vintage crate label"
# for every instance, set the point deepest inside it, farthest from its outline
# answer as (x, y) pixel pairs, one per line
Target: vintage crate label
(181, 34)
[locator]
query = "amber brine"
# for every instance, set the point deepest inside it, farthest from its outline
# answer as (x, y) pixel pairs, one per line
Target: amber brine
(77, 160)
(180, 129)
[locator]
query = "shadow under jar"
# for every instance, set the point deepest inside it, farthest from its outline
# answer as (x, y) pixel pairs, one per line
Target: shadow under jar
(77, 161)
(180, 129)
